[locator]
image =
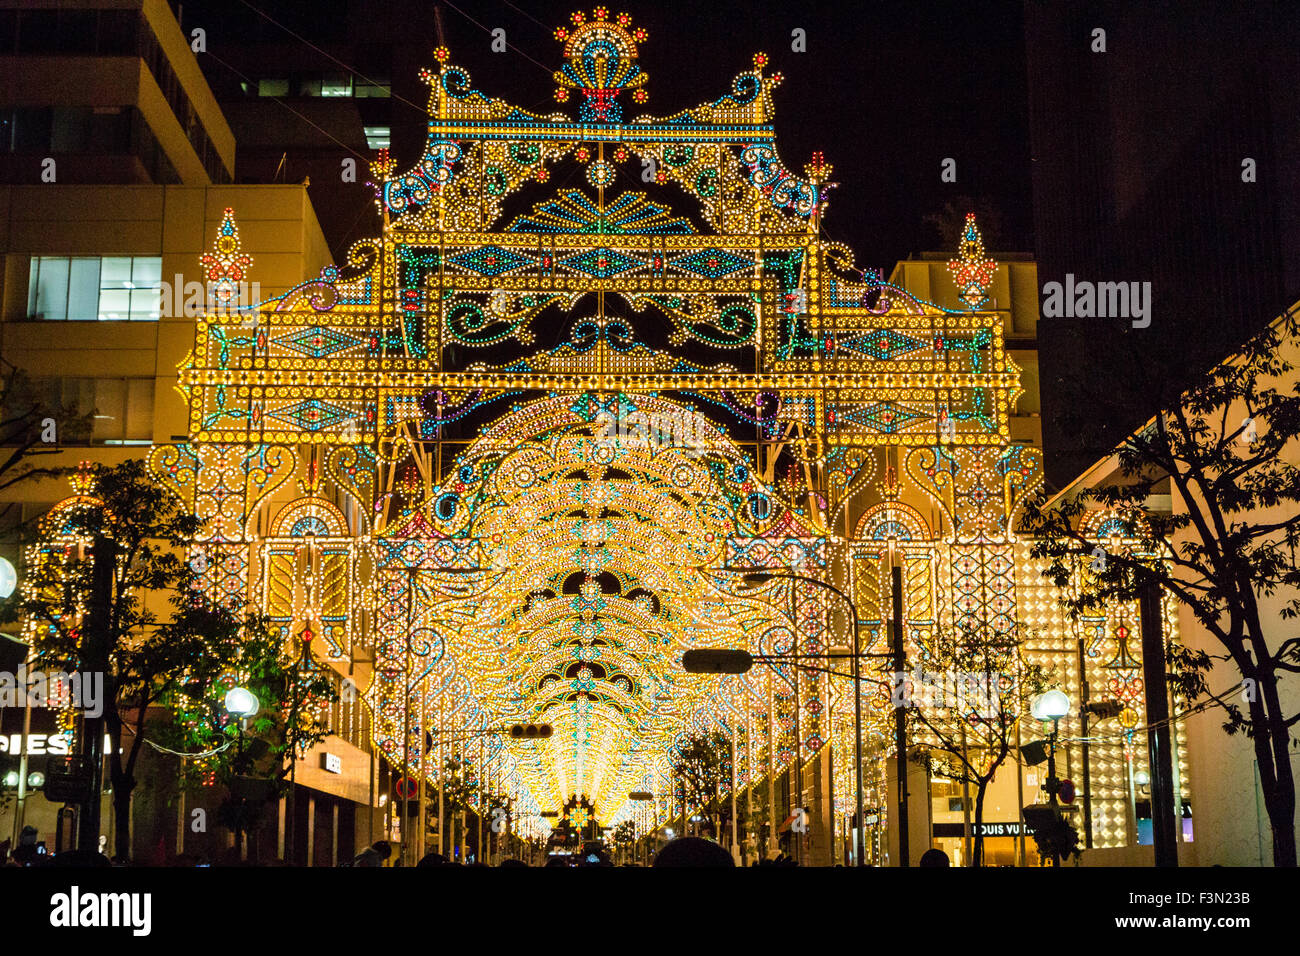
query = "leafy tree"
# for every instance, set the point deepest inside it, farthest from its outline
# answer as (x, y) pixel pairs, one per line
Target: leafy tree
(146, 658)
(292, 693)
(458, 794)
(496, 815)
(1229, 544)
(624, 836)
(967, 709)
(26, 418)
(703, 768)
(458, 789)
(1057, 840)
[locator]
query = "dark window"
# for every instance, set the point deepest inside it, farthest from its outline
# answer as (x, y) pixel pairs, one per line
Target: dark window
(38, 31)
(109, 130)
(8, 30)
(70, 129)
(32, 129)
(118, 32)
(145, 145)
(77, 31)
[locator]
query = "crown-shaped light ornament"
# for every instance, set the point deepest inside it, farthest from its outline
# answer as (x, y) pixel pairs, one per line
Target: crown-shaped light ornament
(601, 55)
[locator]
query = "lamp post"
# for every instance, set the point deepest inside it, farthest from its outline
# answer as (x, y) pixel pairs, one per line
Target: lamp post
(305, 638)
(725, 661)
(241, 703)
(1052, 706)
(765, 576)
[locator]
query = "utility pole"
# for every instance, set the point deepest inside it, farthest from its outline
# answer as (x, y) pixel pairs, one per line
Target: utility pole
(1084, 699)
(900, 717)
(20, 808)
(95, 647)
(1053, 785)
(1163, 832)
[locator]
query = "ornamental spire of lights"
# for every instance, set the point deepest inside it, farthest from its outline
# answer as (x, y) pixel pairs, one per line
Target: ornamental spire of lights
(971, 272)
(226, 265)
(601, 58)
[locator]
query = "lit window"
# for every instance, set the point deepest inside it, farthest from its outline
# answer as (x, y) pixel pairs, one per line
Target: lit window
(377, 137)
(81, 288)
(336, 84)
(120, 409)
(364, 89)
(272, 87)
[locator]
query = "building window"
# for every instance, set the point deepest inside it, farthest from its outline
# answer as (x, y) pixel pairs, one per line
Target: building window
(377, 137)
(121, 408)
(66, 129)
(333, 85)
(82, 288)
(103, 130)
(364, 89)
(336, 84)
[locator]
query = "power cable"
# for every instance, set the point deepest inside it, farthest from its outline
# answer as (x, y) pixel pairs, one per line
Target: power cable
(549, 71)
(329, 56)
(277, 99)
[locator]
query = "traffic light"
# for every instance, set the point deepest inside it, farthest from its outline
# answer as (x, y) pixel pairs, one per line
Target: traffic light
(1105, 709)
(529, 731)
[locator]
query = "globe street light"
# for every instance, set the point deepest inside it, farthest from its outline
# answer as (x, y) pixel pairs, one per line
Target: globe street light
(8, 578)
(1052, 706)
(242, 702)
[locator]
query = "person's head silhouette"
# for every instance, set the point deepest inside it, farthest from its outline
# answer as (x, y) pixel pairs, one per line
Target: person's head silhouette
(693, 851)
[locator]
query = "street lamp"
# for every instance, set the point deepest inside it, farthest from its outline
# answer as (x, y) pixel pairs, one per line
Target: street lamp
(241, 703)
(1052, 706)
(720, 661)
(642, 797)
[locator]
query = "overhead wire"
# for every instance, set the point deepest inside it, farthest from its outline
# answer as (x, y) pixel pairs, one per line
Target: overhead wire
(329, 56)
(295, 112)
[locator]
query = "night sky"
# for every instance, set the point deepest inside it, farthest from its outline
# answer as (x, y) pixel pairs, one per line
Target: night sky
(886, 91)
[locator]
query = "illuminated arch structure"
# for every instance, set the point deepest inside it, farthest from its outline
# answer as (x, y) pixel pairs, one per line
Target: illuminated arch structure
(514, 450)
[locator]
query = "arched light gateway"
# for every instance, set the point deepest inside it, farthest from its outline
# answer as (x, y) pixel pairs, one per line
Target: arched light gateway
(597, 529)
(508, 460)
